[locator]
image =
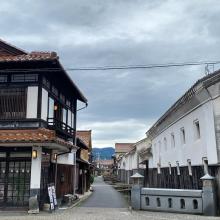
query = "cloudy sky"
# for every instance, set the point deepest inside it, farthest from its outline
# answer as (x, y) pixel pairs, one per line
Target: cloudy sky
(122, 104)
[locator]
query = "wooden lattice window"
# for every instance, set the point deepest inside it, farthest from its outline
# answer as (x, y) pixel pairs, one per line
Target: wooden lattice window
(13, 102)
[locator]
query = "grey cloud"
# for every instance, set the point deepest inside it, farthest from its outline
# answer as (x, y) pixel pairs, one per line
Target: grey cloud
(120, 32)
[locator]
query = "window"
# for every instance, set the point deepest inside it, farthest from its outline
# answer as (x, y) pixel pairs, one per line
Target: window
(13, 103)
(182, 204)
(3, 78)
(165, 144)
(64, 116)
(189, 167)
(147, 201)
(197, 129)
(69, 118)
(182, 136)
(172, 140)
(195, 204)
(205, 164)
(170, 204)
(170, 169)
(24, 77)
(51, 108)
(178, 168)
(158, 202)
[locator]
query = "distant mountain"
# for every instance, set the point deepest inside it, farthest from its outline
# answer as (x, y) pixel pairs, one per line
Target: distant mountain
(103, 153)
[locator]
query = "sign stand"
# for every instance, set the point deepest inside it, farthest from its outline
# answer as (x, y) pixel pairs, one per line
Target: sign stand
(52, 196)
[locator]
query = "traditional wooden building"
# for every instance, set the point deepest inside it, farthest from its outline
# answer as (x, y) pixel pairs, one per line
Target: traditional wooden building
(83, 161)
(38, 111)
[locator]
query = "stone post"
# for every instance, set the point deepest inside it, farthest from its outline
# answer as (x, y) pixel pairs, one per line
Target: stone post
(209, 195)
(136, 191)
(136, 197)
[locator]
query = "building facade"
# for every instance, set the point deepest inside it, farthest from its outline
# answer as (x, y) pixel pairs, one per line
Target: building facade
(185, 140)
(38, 111)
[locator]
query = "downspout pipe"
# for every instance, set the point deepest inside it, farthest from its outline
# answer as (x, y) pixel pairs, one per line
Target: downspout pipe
(74, 155)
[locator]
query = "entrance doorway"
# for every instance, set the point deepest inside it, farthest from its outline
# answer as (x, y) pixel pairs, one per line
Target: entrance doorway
(15, 171)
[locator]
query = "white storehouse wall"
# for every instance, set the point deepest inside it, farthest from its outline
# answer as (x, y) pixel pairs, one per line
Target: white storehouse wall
(194, 149)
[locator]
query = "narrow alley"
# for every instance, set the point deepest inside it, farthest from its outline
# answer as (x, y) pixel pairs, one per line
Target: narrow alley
(105, 196)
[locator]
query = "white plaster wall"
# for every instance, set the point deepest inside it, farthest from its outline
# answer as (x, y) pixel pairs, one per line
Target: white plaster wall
(127, 162)
(194, 149)
(32, 95)
(134, 160)
(44, 104)
(36, 169)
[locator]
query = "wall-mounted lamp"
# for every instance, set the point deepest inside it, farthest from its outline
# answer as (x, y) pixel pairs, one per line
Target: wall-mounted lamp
(34, 154)
(55, 156)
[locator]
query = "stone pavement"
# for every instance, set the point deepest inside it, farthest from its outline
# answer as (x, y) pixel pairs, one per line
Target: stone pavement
(85, 213)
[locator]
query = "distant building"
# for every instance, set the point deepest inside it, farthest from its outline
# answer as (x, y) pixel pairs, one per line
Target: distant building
(136, 160)
(83, 161)
(122, 148)
(106, 164)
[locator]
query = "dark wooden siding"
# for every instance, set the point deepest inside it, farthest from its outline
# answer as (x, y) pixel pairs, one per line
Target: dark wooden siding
(64, 180)
(182, 181)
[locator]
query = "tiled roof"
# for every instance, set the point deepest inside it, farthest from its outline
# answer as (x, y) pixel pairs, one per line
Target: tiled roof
(33, 56)
(86, 137)
(40, 135)
(123, 147)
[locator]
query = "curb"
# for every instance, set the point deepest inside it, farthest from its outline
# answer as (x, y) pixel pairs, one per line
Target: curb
(81, 200)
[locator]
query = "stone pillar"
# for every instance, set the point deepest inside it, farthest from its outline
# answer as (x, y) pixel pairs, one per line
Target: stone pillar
(136, 197)
(209, 196)
(35, 181)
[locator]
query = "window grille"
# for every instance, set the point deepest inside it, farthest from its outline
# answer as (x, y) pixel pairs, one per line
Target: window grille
(13, 102)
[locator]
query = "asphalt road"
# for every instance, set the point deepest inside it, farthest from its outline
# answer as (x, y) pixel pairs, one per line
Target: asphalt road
(104, 196)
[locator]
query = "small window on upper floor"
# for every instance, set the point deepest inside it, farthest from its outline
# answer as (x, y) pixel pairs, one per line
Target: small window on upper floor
(172, 140)
(197, 129)
(165, 144)
(182, 136)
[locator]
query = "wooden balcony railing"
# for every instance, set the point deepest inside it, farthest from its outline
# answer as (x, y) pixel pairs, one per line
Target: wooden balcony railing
(60, 126)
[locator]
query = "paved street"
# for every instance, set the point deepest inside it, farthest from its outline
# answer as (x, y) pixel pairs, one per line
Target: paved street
(104, 204)
(105, 195)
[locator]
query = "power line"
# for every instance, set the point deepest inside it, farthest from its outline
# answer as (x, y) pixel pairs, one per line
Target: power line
(106, 68)
(147, 66)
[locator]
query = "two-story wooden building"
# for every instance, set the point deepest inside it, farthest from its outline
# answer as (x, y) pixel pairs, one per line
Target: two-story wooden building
(38, 111)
